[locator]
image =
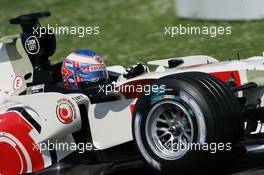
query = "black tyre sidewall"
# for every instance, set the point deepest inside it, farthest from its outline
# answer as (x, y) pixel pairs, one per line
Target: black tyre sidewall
(193, 158)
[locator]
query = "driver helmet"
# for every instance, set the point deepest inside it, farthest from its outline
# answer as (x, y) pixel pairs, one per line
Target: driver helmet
(82, 69)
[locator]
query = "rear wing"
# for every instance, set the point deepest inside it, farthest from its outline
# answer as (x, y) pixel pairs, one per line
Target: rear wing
(186, 61)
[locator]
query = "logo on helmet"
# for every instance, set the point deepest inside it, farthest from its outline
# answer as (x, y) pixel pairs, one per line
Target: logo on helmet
(99, 59)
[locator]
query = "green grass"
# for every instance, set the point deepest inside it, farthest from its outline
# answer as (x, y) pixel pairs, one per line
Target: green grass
(133, 31)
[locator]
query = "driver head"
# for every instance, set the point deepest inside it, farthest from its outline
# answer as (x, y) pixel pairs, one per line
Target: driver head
(82, 69)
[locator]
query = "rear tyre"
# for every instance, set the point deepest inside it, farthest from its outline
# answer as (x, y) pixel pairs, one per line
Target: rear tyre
(181, 127)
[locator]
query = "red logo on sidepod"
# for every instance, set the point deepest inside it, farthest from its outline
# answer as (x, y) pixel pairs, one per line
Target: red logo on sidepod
(65, 113)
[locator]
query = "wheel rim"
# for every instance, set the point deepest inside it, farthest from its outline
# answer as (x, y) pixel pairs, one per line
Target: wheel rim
(169, 129)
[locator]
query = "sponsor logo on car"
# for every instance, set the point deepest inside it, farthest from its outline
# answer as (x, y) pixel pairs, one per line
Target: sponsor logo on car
(259, 128)
(65, 110)
(32, 45)
(18, 82)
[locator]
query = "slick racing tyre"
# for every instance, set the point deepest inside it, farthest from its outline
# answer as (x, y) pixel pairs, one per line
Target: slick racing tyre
(182, 126)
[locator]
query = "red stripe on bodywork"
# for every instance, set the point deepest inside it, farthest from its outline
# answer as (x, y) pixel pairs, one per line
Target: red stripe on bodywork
(14, 124)
(132, 108)
(225, 76)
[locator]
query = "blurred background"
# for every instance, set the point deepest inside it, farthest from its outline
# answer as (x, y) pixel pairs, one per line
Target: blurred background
(133, 31)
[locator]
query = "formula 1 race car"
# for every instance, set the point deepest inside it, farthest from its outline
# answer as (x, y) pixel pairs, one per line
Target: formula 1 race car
(180, 118)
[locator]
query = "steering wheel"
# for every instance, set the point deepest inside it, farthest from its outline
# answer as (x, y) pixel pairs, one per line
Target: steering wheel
(29, 18)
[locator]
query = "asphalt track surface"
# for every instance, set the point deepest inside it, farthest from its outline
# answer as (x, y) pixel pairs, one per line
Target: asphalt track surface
(244, 165)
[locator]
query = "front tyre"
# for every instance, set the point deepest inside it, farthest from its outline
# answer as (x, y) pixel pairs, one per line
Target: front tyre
(175, 127)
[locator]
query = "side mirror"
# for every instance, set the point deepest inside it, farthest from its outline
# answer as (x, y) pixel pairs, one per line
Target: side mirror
(28, 76)
(174, 63)
(28, 21)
